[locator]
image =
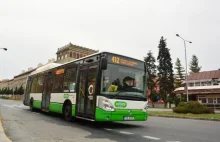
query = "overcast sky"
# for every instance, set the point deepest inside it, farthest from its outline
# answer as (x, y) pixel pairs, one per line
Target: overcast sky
(33, 30)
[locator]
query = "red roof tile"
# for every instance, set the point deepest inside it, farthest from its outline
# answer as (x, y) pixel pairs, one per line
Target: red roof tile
(204, 75)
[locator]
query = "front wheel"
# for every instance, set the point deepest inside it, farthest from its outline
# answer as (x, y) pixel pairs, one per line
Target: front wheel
(67, 112)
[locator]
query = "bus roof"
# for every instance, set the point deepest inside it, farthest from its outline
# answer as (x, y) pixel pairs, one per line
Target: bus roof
(45, 68)
(101, 53)
(54, 65)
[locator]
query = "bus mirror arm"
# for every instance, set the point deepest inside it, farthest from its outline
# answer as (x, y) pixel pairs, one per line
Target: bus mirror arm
(104, 63)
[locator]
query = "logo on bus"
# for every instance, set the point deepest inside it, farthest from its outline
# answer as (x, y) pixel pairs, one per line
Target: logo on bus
(66, 96)
(120, 104)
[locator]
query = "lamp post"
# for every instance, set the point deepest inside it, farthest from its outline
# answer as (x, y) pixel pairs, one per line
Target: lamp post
(4, 49)
(187, 94)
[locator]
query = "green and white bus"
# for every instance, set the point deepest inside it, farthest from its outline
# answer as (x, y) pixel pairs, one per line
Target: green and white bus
(101, 87)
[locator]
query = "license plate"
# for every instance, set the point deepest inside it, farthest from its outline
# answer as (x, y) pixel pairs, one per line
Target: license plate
(128, 118)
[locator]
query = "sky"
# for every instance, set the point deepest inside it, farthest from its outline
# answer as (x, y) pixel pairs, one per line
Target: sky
(34, 30)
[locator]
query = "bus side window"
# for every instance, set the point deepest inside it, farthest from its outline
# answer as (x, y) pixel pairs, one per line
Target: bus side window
(37, 84)
(58, 83)
(69, 80)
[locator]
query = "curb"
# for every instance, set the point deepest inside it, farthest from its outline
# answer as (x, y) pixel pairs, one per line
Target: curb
(186, 118)
(3, 137)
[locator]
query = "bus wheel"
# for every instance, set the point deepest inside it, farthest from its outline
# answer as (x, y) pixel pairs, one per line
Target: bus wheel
(67, 112)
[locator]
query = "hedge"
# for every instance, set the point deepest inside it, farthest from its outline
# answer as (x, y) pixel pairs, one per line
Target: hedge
(192, 107)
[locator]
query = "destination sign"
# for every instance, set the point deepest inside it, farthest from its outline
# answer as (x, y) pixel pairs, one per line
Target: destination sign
(122, 61)
(60, 71)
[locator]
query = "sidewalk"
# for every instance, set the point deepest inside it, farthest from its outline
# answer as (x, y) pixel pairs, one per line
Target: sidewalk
(169, 110)
(3, 137)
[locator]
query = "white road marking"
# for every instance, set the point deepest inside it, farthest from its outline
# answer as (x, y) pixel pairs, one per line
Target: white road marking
(150, 137)
(15, 106)
(172, 141)
(123, 132)
(108, 129)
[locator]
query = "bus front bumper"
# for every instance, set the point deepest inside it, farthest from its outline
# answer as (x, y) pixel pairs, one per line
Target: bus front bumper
(120, 115)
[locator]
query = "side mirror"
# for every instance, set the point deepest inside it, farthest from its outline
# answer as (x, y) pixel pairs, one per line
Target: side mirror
(104, 63)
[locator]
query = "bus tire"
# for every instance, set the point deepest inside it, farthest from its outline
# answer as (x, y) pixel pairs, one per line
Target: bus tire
(67, 111)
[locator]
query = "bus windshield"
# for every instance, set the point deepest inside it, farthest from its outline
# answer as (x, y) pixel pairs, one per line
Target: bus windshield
(124, 81)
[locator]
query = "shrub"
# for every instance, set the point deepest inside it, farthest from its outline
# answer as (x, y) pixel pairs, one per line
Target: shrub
(192, 107)
(193, 104)
(181, 104)
(180, 110)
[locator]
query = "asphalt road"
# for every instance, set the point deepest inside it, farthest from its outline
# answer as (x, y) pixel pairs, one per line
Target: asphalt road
(23, 125)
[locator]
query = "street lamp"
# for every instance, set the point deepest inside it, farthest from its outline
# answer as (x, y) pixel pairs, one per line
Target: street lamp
(4, 49)
(186, 65)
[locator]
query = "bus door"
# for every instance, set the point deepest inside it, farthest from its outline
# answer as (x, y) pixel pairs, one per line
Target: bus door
(27, 92)
(47, 87)
(85, 103)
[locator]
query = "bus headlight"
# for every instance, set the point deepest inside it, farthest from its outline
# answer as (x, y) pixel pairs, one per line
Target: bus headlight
(107, 105)
(145, 108)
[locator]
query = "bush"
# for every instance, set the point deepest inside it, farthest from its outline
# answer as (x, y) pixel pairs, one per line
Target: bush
(182, 104)
(192, 107)
(180, 110)
(193, 104)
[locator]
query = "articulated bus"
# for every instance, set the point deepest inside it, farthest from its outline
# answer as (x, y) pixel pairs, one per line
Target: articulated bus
(100, 87)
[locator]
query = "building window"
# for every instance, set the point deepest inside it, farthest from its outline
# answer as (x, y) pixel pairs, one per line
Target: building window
(69, 80)
(218, 100)
(81, 55)
(71, 54)
(203, 83)
(210, 100)
(74, 55)
(209, 83)
(77, 56)
(203, 100)
(197, 84)
(191, 84)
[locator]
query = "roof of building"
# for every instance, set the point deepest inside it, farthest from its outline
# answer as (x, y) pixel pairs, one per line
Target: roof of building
(204, 75)
(198, 88)
(73, 45)
(27, 72)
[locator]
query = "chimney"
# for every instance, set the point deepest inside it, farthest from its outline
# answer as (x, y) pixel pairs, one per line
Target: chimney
(30, 68)
(40, 65)
(51, 60)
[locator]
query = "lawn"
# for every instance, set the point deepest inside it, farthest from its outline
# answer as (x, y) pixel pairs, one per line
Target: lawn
(188, 115)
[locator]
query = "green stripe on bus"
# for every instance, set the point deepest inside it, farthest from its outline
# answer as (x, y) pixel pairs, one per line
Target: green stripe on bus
(118, 115)
(56, 107)
(37, 104)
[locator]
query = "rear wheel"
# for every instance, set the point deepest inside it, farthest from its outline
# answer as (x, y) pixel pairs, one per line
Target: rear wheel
(67, 112)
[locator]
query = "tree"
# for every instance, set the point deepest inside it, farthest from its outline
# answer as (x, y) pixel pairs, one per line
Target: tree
(165, 70)
(20, 90)
(194, 64)
(16, 90)
(179, 77)
(151, 70)
(154, 97)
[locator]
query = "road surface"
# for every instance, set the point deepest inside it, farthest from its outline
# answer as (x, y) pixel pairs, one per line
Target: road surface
(23, 125)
